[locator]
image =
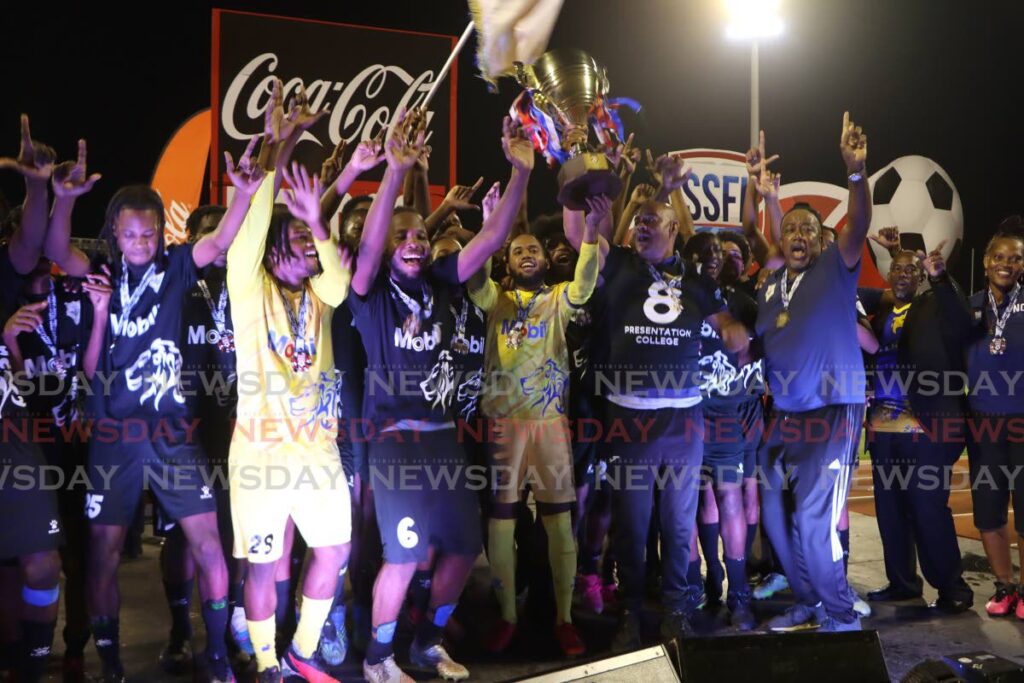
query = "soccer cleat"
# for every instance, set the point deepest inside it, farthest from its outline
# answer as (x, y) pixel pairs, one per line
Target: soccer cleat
(500, 637)
(176, 657)
(436, 658)
(333, 640)
(308, 669)
(833, 625)
(240, 632)
(590, 587)
(796, 618)
(385, 672)
(862, 608)
(741, 616)
(569, 640)
(1004, 601)
(772, 584)
(271, 675)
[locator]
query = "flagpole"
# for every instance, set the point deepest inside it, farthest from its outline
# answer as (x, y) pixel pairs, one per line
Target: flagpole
(447, 65)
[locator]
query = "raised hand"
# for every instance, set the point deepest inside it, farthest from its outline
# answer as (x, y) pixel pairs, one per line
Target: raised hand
(853, 144)
(368, 153)
(399, 151)
(642, 194)
(490, 199)
(331, 168)
(768, 185)
(757, 159)
(99, 289)
(460, 196)
(423, 161)
(888, 238)
(673, 172)
(248, 175)
(303, 195)
(625, 155)
(25, 320)
(933, 263)
(70, 178)
(597, 210)
(518, 150)
(35, 160)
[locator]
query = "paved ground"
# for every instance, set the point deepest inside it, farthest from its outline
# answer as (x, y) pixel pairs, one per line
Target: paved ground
(909, 632)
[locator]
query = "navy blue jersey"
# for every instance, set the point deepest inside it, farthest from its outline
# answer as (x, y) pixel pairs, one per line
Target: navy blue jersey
(143, 357)
(996, 381)
(726, 382)
(644, 345)
(814, 360)
(410, 375)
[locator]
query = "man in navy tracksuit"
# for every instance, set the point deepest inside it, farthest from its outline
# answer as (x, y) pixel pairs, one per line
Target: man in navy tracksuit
(807, 322)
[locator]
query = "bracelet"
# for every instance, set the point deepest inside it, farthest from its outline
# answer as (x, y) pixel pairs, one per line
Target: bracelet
(855, 177)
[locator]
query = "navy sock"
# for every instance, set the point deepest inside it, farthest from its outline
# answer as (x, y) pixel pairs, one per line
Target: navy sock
(419, 590)
(236, 595)
(381, 645)
(844, 540)
(106, 633)
(36, 642)
(736, 572)
(215, 616)
(284, 603)
(179, 599)
(708, 535)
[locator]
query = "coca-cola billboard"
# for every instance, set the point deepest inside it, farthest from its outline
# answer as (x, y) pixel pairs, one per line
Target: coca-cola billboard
(363, 74)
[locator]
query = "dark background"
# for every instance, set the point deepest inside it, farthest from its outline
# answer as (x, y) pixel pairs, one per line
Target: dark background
(931, 77)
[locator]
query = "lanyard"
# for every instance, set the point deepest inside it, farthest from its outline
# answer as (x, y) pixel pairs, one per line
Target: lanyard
(130, 299)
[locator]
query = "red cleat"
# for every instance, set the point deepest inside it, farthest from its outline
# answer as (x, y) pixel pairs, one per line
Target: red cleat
(569, 640)
(1004, 602)
(500, 638)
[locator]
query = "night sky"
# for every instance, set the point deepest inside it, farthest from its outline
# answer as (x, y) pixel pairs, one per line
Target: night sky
(929, 77)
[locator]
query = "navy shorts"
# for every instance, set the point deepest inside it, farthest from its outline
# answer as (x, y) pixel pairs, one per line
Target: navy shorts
(176, 471)
(28, 505)
(424, 495)
(997, 475)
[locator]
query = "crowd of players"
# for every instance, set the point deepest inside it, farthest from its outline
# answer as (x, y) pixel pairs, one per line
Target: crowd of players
(385, 400)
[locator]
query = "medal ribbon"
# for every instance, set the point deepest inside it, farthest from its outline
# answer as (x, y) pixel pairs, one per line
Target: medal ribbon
(297, 324)
(49, 337)
(130, 299)
(788, 294)
(1001, 320)
(420, 311)
(217, 312)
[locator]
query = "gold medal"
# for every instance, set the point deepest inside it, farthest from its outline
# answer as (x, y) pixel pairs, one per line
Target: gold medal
(460, 346)
(782, 320)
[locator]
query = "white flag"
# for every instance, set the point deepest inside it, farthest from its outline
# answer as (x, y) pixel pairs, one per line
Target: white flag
(510, 31)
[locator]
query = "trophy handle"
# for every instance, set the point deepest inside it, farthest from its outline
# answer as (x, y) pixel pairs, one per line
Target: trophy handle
(525, 76)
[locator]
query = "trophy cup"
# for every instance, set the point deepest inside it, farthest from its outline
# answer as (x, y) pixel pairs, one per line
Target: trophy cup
(567, 85)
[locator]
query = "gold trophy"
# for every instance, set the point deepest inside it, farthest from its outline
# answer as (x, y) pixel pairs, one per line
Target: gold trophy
(566, 84)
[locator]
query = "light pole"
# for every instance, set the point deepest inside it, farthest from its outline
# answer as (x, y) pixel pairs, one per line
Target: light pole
(753, 20)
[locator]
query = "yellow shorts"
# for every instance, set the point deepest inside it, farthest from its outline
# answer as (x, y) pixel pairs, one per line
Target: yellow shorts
(268, 487)
(534, 453)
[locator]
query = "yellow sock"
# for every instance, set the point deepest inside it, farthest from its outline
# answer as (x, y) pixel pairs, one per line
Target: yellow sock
(262, 634)
(562, 556)
(312, 615)
(501, 553)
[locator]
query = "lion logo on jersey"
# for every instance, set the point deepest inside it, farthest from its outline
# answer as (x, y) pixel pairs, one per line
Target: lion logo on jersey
(439, 386)
(159, 368)
(547, 383)
(469, 394)
(717, 374)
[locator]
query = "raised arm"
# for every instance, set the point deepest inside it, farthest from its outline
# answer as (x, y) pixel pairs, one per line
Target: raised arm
(246, 178)
(400, 155)
(459, 198)
(641, 194)
(625, 157)
(35, 164)
(367, 155)
(97, 285)
(591, 260)
(519, 152)
(853, 144)
(673, 174)
(70, 181)
(757, 164)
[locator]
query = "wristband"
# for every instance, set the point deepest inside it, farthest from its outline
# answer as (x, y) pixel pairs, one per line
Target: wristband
(856, 177)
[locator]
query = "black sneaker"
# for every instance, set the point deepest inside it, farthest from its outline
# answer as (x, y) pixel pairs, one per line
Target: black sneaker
(629, 635)
(954, 604)
(176, 657)
(741, 615)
